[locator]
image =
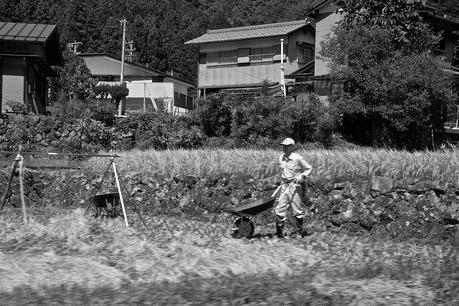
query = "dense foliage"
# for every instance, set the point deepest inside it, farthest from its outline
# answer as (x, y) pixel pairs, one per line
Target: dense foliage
(262, 121)
(396, 91)
(73, 80)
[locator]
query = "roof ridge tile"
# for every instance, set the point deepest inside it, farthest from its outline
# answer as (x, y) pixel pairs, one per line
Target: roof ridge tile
(257, 26)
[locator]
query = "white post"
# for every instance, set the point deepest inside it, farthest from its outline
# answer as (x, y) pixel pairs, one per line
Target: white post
(457, 117)
(144, 102)
(120, 193)
(282, 80)
(20, 160)
(123, 22)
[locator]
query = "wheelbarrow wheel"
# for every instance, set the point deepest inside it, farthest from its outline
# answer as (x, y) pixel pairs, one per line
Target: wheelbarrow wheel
(243, 227)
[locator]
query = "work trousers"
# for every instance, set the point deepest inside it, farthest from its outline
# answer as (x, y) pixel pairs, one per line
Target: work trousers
(290, 195)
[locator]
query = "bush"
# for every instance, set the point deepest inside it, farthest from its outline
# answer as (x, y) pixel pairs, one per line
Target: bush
(162, 131)
(259, 118)
(260, 122)
(16, 106)
(116, 92)
(215, 116)
(68, 110)
(308, 120)
(102, 111)
(96, 133)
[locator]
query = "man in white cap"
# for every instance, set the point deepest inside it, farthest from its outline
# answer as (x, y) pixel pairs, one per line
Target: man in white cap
(294, 170)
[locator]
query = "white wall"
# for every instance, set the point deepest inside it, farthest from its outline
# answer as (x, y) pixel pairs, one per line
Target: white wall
(324, 27)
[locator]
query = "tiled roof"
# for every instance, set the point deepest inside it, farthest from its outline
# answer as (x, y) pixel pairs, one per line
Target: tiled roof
(29, 32)
(256, 31)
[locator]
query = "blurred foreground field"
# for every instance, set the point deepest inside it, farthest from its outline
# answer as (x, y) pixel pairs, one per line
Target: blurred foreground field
(65, 257)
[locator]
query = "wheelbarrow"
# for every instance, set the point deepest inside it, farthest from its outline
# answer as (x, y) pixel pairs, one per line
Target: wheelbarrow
(106, 205)
(243, 224)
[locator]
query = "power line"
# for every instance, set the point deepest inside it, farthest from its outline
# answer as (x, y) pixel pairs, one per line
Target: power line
(88, 24)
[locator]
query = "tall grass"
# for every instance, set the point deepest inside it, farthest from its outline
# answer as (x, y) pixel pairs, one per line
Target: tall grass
(441, 166)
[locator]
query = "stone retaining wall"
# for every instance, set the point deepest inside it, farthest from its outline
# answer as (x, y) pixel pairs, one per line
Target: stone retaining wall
(359, 205)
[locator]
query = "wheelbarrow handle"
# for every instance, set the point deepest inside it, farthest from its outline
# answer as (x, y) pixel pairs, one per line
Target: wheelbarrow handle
(276, 191)
(285, 191)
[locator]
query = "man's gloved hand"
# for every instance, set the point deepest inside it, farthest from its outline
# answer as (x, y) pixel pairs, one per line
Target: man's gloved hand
(300, 179)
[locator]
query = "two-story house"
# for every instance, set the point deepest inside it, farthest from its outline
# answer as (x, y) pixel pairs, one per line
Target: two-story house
(324, 15)
(244, 57)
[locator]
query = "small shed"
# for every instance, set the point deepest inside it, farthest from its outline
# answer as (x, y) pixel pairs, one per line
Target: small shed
(27, 52)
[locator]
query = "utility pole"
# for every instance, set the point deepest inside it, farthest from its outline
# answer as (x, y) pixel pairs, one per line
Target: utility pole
(74, 46)
(282, 80)
(123, 22)
(130, 56)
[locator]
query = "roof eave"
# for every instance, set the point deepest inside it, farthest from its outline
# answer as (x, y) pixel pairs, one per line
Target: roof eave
(194, 41)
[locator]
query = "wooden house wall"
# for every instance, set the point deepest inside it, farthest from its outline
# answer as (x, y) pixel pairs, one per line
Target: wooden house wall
(23, 81)
(245, 72)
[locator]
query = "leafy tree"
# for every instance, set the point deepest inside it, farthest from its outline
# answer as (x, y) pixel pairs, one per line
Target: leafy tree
(73, 80)
(308, 120)
(396, 91)
(215, 115)
(258, 118)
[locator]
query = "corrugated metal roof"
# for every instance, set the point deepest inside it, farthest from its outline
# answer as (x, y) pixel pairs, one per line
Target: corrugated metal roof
(101, 64)
(25, 31)
(256, 31)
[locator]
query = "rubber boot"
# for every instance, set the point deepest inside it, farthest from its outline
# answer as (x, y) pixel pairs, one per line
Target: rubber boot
(299, 226)
(279, 229)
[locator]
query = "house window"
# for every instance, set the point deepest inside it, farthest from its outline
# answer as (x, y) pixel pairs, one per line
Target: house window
(221, 57)
(202, 58)
(305, 55)
(261, 54)
(224, 57)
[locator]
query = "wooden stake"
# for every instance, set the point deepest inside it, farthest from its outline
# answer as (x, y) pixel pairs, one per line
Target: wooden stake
(21, 186)
(123, 186)
(120, 193)
(8, 187)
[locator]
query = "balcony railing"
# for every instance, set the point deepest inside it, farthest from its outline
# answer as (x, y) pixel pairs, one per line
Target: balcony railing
(230, 59)
(261, 57)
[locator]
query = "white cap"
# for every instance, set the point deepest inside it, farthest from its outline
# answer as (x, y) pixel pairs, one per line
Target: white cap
(288, 142)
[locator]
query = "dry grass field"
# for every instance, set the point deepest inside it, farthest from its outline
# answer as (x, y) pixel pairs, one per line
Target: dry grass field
(435, 165)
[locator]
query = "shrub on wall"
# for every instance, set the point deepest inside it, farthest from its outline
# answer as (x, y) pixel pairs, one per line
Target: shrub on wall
(215, 116)
(261, 121)
(101, 111)
(308, 120)
(116, 93)
(162, 131)
(67, 109)
(16, 106)
(260, 118)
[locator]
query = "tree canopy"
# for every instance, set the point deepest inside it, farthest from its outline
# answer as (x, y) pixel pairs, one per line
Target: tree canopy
(396, 91)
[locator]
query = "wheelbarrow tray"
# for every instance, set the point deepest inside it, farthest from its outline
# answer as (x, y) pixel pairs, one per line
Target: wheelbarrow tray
(252, 209)
(112, 197)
